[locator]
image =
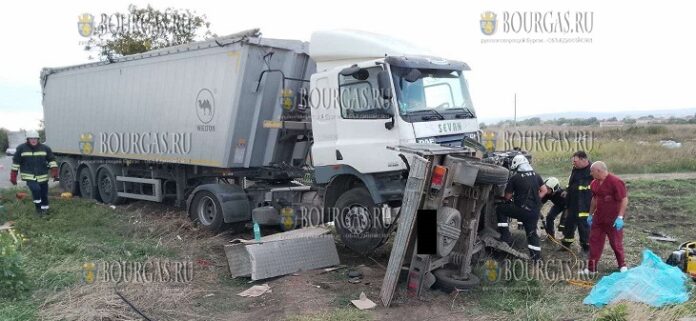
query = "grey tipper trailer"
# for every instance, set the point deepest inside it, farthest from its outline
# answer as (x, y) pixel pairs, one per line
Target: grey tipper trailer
(243, 128)
(182, 120)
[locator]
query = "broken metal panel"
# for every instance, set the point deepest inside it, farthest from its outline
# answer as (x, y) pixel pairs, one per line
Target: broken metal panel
(413, 195)
(282, 253)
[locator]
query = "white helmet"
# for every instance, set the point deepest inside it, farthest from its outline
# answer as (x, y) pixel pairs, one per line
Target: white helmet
(517, 161)
(32, 134)
(553, 184)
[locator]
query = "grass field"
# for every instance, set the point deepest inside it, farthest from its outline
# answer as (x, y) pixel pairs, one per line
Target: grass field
(626, 150)
(81, 231)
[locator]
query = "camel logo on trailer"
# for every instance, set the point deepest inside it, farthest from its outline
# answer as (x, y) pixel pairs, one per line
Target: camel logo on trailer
(205, 105)
(86, 143)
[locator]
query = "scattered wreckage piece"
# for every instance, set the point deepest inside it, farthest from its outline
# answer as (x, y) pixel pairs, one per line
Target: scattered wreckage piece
(282, 253)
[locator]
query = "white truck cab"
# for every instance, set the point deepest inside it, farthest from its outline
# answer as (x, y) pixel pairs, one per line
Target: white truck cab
(372, 91)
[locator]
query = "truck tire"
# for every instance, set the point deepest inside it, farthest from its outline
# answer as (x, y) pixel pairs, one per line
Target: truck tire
(490, 173)
(359, 221)
(88, 189)
(207, 212)
(68, 176)
(108, 186)
(447, 283)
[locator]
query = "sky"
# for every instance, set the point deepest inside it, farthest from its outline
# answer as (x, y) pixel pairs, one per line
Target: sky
(641, 56)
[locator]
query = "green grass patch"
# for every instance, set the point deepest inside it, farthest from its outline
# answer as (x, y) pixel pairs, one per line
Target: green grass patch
(76, 231)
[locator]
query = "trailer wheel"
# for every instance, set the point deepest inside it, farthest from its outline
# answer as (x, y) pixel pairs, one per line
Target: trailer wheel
(207, 211)
(490, 173)
(447, 283)
(88, 189)
(68, 177)
(359, 221)
(108, 186)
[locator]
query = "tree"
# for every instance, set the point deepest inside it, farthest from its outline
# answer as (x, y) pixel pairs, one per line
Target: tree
(144, 29)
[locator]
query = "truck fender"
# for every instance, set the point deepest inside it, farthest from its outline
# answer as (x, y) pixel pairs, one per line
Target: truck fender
(233, 199)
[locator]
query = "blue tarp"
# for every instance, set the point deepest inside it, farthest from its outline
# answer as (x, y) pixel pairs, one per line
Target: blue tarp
(653, 282)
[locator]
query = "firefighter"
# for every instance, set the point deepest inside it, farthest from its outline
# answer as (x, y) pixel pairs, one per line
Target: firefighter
(555, 195)
(33, 159)
(525, 189)
(579, 197)
(608, 208)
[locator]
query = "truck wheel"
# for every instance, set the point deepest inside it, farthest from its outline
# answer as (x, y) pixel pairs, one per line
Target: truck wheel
(88, 189)
(68, 177)
(108, 186)
(207, 211)
(359, 221)
(490, 173)
(447, 283)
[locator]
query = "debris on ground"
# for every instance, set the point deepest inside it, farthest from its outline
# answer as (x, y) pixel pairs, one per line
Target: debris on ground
(66, 195)
(653, 282)
(363, 303)
(256, 290)
(663, 239)
(282, 253)
(670, 144)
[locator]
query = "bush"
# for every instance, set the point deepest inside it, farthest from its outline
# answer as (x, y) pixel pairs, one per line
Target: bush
(4, 142)
(13, 279)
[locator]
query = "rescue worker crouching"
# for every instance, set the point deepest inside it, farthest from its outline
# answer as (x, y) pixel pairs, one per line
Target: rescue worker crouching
(555, 194)
(33, 160)
(525, 188)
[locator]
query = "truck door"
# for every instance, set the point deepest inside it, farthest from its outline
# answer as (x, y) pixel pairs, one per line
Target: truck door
(361, 134)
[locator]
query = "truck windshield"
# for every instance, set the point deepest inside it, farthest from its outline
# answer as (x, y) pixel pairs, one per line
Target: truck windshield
(431, 94)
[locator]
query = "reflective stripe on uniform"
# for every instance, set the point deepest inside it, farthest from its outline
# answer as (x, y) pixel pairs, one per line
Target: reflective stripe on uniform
(15, 167)
(27, 176)
(584, 187)
(44, 207)
(535, 248)
(583, 214)
(503, 224)
(25, 154)
(36, 201)
(568, 240)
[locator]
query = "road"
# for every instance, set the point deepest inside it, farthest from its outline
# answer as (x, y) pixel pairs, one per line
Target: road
(5, 164)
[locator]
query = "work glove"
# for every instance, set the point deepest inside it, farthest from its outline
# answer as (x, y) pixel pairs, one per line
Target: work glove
(54, 173)
(589, 220)
(13, 177)
(619, 223)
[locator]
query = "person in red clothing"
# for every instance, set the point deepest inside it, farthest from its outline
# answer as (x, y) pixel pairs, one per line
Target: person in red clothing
(607, 211)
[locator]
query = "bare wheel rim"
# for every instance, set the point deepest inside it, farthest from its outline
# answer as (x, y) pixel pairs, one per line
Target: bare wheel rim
(207, 210)
(85, 185)
(356, 219)
(67, 177)
(106, 186)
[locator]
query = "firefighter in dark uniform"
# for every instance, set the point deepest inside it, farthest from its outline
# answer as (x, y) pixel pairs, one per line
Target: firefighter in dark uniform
(556, 196)
(525, 188)
(33, 160)
(579, 197)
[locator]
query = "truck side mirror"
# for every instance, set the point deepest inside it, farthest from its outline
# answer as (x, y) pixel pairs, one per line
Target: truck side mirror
(384, 83)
